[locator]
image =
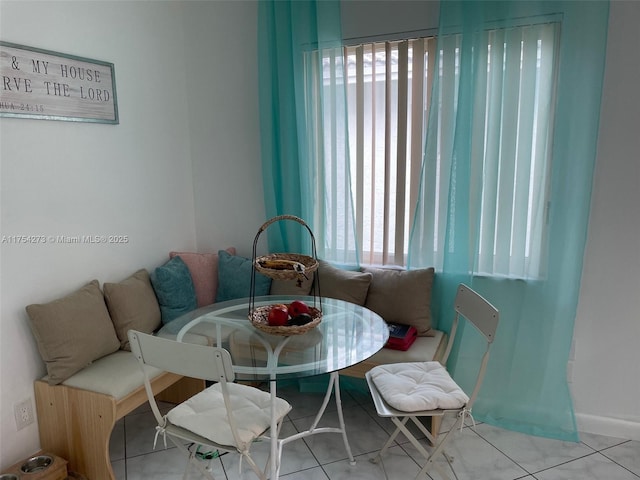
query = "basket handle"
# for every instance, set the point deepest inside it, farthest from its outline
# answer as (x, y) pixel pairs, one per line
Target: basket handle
(266, 224)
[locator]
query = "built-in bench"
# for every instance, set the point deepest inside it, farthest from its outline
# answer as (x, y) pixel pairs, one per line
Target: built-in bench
(76, 417)
(92, 379)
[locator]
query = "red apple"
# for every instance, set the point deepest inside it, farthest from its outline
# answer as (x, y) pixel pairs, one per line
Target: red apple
(298, 307)
(278, 316)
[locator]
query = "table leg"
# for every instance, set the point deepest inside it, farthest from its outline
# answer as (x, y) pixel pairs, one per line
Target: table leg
(336, 379)
(334, 385)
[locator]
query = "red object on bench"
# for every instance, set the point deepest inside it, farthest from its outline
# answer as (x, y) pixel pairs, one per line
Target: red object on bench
(401, 337)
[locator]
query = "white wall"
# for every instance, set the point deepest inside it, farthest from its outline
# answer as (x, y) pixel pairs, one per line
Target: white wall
(222, 60)
(376, 20)
(606, 384)
(186, 147)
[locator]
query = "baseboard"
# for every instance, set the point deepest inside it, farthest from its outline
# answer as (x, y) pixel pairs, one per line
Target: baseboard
(609, 426)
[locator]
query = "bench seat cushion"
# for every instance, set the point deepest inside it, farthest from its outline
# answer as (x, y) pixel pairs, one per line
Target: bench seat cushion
(117, 374)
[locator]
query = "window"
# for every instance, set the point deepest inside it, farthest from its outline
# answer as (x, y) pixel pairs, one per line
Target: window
(388, 87)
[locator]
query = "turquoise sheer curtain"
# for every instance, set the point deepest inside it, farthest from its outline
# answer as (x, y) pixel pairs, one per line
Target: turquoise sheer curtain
(298, 166)
(526, 385)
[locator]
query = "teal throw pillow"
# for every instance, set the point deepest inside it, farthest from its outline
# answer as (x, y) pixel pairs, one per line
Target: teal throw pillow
(174, 289)
(234, 278)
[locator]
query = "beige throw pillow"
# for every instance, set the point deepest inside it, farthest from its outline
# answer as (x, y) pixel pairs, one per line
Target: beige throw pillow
(133, 305)
(402, 296)
(351, 286)
(73, 331)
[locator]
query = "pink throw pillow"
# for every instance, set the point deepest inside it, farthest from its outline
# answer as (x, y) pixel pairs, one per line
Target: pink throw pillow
(203, 268)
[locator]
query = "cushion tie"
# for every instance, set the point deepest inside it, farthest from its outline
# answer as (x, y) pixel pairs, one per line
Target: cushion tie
(163, 431)
(466, 412)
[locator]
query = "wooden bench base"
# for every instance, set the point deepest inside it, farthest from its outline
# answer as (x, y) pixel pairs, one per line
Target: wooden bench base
(76, 424)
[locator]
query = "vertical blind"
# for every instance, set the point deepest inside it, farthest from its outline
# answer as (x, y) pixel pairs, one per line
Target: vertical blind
(388, 91)
(386, 141)
(512, 139)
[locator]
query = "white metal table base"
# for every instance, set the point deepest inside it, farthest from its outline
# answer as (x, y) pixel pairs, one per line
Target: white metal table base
(276, 446)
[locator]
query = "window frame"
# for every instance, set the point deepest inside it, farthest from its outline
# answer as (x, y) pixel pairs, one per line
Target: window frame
(356, 171)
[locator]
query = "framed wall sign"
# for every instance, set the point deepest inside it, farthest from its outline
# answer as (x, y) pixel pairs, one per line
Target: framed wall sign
(47, 85)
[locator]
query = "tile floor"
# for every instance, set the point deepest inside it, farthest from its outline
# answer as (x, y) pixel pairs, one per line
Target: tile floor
(487, 453)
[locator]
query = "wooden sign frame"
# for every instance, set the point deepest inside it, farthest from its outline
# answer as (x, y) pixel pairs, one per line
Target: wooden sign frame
(41, 84)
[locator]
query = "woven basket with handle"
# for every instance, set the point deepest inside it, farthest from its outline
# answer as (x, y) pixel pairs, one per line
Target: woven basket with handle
(259, 316)
(285, 266)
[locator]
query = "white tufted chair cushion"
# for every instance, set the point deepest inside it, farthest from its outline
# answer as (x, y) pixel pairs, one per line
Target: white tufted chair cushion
(205, 413)
(417, 386)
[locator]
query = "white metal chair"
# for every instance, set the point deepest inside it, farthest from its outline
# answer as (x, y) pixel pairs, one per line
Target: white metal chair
(224, 417)
(407, 391)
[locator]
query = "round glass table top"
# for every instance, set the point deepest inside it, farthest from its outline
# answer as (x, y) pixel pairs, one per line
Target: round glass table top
(347, 334)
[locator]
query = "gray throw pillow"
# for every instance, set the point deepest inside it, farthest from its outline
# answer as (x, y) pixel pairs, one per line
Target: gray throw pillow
(73, 331)
(132, 305)
(402, 296)
(348, 285)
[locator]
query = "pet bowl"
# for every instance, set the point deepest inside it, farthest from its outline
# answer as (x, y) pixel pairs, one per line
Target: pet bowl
(36, 464)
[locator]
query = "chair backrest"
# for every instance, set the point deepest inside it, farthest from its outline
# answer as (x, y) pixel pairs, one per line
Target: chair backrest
(188, 359)
(478, 311)
(475, 309)
(484, 317)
